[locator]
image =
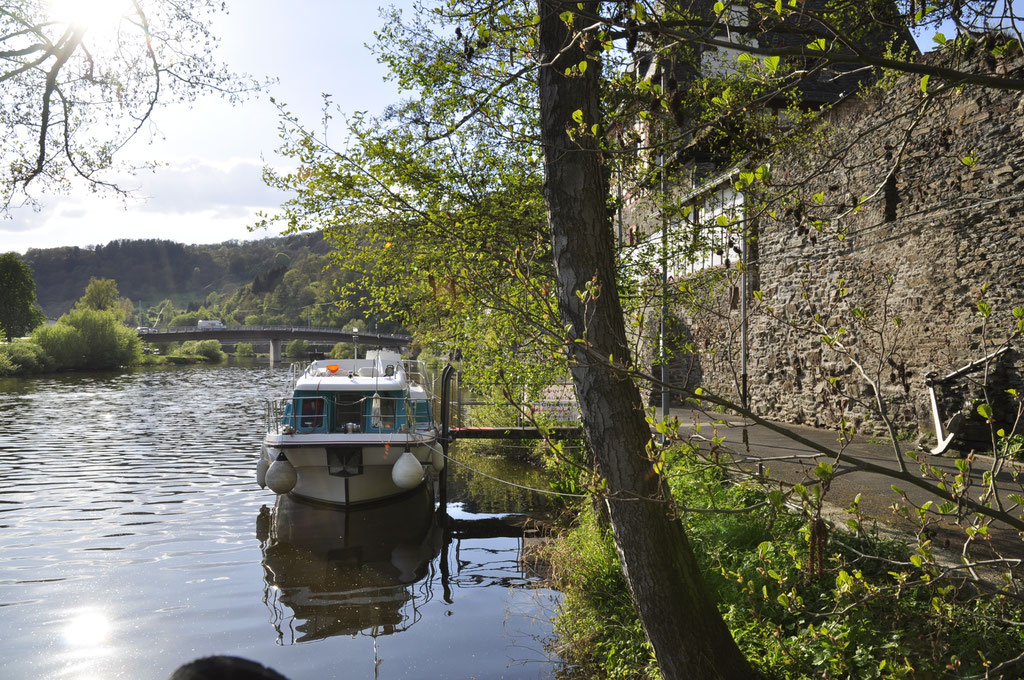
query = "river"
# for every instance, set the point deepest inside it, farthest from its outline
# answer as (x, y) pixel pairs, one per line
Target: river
(133, 538)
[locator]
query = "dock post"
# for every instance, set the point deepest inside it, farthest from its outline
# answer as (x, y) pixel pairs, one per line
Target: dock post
(446, 408)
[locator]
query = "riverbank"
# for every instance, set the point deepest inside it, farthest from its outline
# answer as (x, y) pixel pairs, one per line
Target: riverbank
(43, 355)
(803, 597)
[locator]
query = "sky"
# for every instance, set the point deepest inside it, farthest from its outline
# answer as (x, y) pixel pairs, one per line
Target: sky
(209, 187)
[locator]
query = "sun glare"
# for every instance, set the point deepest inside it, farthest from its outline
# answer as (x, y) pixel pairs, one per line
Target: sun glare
(87, 628)
(96, 15)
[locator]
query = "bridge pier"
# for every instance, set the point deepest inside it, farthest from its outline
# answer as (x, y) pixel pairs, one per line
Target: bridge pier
(275, 351)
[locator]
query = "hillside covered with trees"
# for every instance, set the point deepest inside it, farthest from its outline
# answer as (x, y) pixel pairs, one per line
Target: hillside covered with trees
(284, 280)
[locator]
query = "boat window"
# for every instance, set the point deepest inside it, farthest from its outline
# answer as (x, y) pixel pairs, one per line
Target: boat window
(311, 413)
(348, 413)
(382, 411)
(421, 412)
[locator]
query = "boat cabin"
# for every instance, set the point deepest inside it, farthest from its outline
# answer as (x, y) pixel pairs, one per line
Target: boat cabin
(375, 395)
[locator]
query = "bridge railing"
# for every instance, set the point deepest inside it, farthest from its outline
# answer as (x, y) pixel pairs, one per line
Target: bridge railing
(330, 331)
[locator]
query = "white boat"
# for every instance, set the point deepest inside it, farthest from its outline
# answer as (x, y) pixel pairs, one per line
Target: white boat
(352, 431)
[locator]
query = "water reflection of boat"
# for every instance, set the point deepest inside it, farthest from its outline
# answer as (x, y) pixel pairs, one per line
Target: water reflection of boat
(351, 431)
(342, 572)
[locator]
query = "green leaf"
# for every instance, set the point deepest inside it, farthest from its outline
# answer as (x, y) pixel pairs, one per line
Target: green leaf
(772, 64)
(939, 38)
(985, 411)
(577, 115)
(924, 84)
(583, 66)
(719, 7)
(818, 45)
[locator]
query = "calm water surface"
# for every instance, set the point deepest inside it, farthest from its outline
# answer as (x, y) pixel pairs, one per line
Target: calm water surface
(133, 538)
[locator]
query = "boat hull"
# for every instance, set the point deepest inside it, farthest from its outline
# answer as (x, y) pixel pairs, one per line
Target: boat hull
(344, 472)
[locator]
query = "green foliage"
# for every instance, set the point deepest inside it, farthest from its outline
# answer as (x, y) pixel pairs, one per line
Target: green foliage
(341, 350)
(187, 319)
(888, 616)
(456, 244)
(244, 349)
(7, 367)
(207, 349)
(18, 313)
(22, 357)
(297, 349)
(100, 294)
(597, 627)
(89, 339)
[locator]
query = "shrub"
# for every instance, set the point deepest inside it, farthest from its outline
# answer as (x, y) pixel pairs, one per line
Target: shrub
(208, 349)
(253, 320)
(848, 615)
(89, 339)
(244, 349)
(341, 350)
(186, 319)
(6, 365)
(297, 349)
(598, 631)
(25, 356)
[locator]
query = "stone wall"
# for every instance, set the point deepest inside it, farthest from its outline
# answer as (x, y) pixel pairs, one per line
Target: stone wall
(939, 225)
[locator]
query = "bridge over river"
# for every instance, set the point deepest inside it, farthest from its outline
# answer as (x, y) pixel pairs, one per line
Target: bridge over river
(274, 335)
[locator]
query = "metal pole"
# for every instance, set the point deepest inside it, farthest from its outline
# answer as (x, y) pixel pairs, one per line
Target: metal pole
(445, 415)
(663, 358)
(743, 310)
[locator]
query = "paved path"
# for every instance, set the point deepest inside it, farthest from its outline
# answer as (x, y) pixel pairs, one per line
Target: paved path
(793, 462)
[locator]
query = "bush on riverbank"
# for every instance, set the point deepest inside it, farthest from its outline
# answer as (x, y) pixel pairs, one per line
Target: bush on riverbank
(89, 339)
(23, 357)
(208, 349)
(838, 613)
(244, 349)
(297, 349)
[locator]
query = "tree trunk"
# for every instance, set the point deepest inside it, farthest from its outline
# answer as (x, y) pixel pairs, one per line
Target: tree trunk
(689, 637)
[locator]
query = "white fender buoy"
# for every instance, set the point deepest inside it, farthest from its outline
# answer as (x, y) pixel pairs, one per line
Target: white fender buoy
(261, 467)
(437, 459)
(406, 559)
(407, 472)
(281, 476)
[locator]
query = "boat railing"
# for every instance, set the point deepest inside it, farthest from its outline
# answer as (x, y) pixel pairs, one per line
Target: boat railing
(416, 372)
(487, 404)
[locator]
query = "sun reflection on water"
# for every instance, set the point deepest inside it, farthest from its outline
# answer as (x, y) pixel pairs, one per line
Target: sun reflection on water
(87, 628)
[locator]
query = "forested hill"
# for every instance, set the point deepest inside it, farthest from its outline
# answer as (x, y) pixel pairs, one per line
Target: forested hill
(148, 271)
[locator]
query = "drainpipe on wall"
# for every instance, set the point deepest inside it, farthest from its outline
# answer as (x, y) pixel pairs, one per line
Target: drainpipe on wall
(663, 358)
(744, 286)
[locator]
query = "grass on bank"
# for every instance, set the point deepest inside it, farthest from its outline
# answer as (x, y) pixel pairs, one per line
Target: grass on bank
(853, 606)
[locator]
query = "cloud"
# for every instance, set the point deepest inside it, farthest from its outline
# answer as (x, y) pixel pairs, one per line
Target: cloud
(230, 189)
